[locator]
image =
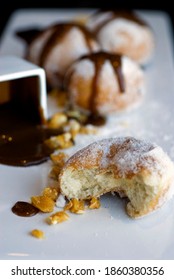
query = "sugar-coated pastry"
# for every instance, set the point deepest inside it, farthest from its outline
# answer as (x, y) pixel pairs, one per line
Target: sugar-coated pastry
(135, 168)
(104, 83)
(123, 32)
(57, 46)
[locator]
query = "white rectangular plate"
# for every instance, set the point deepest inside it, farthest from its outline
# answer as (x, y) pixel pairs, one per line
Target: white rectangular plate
(106, 233)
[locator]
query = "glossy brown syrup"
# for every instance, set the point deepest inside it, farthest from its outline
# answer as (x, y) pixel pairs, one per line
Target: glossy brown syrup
(59, 32)
(24, 209)
(22, 139)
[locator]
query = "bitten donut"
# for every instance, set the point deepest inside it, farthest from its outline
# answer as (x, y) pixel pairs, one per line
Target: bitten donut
(137, 169)
(55, 47)
(123, 32)
(103, 83)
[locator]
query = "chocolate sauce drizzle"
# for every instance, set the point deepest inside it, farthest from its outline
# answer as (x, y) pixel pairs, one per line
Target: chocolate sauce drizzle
(59, 32)
(98, 59)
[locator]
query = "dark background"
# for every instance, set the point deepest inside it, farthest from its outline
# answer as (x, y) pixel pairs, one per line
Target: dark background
(8, 7)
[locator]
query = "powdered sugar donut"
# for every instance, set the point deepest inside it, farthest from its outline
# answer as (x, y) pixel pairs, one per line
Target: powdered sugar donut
(135, 168)
(103, 83)
(123, 32)
(57, 46)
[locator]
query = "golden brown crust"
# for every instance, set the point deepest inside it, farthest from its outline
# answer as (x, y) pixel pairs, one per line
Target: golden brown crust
(138, 169)
(93, 156)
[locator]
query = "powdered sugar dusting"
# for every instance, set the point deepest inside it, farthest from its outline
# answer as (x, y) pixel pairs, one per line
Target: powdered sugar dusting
(123, 35)
(106, 35)
(127, 153)
(152, 121)
(73, 45)
(84, 69)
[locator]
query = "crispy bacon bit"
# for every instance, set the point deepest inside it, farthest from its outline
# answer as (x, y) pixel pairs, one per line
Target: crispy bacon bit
(54, 172)
(59, 159)
(58, 162)
(88, 130)
(58, 217)
(94, 203)
(37, 233)
(75, 206)
(58, 120)
(51, 192)
(43, 203)
(62, 141)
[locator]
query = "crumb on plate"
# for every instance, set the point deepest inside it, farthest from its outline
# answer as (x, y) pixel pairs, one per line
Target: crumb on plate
(38, 233)
(58, 217)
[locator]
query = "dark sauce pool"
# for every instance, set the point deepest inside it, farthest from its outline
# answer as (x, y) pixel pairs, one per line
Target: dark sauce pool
(24, 209)
(22, 139)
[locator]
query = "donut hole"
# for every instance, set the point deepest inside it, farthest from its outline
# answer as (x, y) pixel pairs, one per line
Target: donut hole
(93, 84)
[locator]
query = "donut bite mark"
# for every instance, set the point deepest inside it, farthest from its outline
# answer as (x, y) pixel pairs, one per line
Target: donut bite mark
(137, 169)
